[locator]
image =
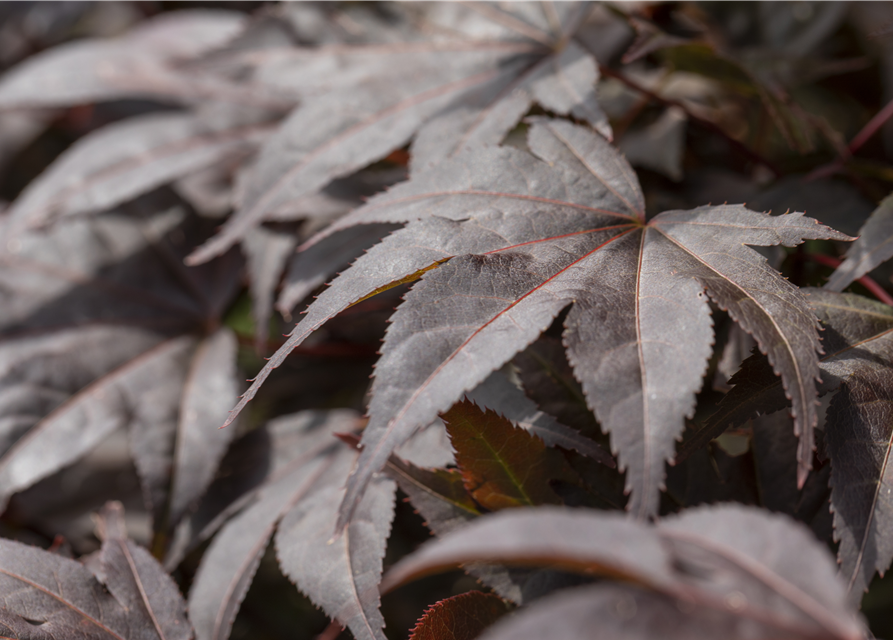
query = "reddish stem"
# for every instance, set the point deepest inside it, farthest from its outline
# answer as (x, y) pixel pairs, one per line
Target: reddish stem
(332, 631)
(743, 149)
(871, 128)
(855, 144)
(877, 290)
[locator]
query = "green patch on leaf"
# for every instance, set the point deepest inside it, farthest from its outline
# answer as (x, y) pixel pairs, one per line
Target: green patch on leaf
(503, 466)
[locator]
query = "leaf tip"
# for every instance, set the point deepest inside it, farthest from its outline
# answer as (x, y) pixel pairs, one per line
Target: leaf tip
(802, 474)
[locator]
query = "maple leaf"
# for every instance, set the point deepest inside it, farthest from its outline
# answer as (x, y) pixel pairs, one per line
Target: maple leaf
(549, 381)
(102, 328)
(860, 438)
(461, 617)
(735, 570)
(311, 268)
(857, 345)
(298, 499)
(504, 240)
(502, 465)
(858, 331)
(242, 471)
(499, 394)
(136, 580)
(130, 597)
(266, 252)
(362, 102)
(858, 433)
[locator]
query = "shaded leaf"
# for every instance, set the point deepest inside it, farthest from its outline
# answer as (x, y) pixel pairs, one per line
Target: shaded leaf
(312, 267)
(702, 59)
(242, 470)
(438, 494)
(854, 328)
(649, 38)
(658, 146)
(461, 617)
(440, 497)
(267, 251)
(48, 596)
(308, 465)
(499, 394)
(874, 246)
(859, 437)
(711, 476)
(549, 380)
(99, 329)
(774, 451)
(137, 581)
(503, 466)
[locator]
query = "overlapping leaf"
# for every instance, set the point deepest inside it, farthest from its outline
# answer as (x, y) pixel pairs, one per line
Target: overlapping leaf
(507, 240)
(855, 329)
(858, 349)
(774, 454)
(461, 617)
(503, 466)
(141, 64)
(125, 160)
(102, 328)
(858, 432)
(450, 93)
(860, 439)
(47, 596)
(874, 246)
(137, 581)
(730, 570)
(299, 498)
(499, 394)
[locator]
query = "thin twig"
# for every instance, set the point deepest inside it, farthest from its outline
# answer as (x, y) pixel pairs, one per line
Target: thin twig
(864, 135)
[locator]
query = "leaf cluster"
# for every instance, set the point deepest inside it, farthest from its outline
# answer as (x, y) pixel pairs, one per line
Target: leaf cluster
(615, 403)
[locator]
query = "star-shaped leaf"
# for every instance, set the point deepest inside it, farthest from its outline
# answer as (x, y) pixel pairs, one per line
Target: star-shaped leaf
(504, 240)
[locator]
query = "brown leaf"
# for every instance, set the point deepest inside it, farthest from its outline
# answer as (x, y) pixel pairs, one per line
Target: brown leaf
(461, 617)
(502, 465)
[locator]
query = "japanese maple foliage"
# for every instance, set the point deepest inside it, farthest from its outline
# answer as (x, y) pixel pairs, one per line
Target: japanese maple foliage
(620, 407)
